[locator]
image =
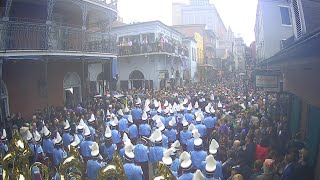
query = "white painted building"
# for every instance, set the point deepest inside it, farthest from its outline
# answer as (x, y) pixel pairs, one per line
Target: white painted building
(151, 54)
(191, 44)
(239, 53)
(273, 26)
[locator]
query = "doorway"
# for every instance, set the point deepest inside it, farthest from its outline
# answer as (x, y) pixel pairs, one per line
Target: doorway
(136, 78)
(4, 100)
(72, 89)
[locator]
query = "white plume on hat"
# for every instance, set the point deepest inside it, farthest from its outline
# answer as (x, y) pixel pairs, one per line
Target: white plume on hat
(171, 111)
(166, 159)
(66, 125)
(94, 149)
(147, 102)
(195, 133)
(130, 118)
(182, 108)
(197, 140)
(159, 109)
(212, 111)
(185, 159)
(160, 125)
(37, 136)
(207, 109)
(185, 101)
(108, 113)
(196, 105)
(46, 132)
(156, 136)
(213, 148)
(114, 121)
(120, 113)
(108, 133)
(57, 139)
(211, 163)
(144, 116)
(126, 109)
(128, 150)
(184, 122)
(92, 118)
(166, 103)
(219, 105)
(189, 107)
(155, 117)
(172, 122)
(198, 175)
(76, 141)
(4, 134)
(191, 127)
(138, 101)
(86, 131)
(81, 124)
(125, 139)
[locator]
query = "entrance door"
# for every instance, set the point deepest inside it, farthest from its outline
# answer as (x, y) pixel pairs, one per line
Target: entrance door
(72, 89)
(137, 79)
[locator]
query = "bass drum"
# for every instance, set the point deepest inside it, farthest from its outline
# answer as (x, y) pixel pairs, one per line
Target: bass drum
(113, 171)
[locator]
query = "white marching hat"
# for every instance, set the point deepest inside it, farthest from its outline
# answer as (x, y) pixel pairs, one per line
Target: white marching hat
(37, 136)
(57, 140)
(114, 121)
(198, 175)
(86, 131)
(138, 101)
(185, 101)
(189, 107)
(172, 122)
(147, 102)
(66, 125)
(155, 103)
(147, 109)
(130, 119)
(144, 116)
(46, 132)
(156, 136)
(92, 118)
(175, 145)
(213, 148)
(126, 109)
(128, 151)
(197, 140)
(81, 124)
(166, 159)
(191, 127)
(160, 125)
(211, 164)
(120, 113)
(196, 105)
(185, 159)
(94, 149)
(159, 109)
(76, 141)
(108, 133)
(212, 111)
(166, 103)
(125, 139)
(219, 105)
(184, 122)
(4, 134)
(28, 136)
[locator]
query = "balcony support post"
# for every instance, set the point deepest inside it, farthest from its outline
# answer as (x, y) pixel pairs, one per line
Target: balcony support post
(84, 8)
(7, 10)
(49, 31)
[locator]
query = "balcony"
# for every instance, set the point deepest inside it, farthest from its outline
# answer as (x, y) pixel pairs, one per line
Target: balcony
(39, 36)
(112, 4)
(134, 49)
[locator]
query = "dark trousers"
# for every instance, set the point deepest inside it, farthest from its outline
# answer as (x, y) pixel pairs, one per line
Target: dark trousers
(145, 168)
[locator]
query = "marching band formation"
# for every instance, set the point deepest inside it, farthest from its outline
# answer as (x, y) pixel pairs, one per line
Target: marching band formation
(188, 130)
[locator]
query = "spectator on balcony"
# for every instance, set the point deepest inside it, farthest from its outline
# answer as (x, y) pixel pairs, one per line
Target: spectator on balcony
(144, 44)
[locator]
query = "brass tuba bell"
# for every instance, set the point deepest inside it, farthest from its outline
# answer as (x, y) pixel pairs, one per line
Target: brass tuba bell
(164, 171)
(43, 170)
(114, 170)
(72, 166)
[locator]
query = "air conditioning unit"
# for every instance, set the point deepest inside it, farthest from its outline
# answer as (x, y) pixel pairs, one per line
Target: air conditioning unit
(298, 18)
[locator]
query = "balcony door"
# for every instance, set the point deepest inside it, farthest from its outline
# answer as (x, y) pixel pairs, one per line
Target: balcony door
(72, 89)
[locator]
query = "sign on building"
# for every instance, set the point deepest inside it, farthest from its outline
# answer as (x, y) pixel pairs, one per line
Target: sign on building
(268, 81)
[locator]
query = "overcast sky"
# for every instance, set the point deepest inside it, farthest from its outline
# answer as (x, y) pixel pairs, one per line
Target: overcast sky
(239, 14)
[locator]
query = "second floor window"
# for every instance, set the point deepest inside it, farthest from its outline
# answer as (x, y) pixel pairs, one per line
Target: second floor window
(285, 16)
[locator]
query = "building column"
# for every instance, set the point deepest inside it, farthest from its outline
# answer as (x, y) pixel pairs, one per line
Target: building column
(50, 31)
(84, 9)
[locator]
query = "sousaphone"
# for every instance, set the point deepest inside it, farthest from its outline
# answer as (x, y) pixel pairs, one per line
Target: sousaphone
(113, 171)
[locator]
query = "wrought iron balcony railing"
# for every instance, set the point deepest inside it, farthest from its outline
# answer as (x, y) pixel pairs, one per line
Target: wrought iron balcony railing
(137, 48)
(110, 3)
(36, 36)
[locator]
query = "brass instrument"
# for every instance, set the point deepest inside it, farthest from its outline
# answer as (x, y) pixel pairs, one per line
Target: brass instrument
(164, 171)
(114, 170)
(15, 164)
(72, 166)
(43, 170)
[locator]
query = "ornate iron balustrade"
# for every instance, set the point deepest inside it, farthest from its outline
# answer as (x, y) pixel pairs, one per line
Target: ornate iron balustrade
(110, 3)
(35, 36)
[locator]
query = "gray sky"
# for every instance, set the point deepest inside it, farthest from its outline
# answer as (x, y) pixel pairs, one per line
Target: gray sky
(239, 14)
